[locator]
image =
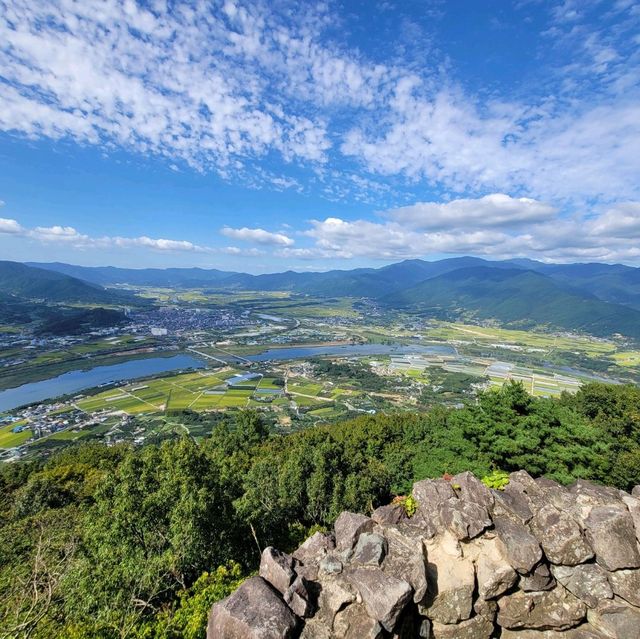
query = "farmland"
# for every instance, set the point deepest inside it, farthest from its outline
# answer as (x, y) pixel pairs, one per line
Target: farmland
(200, 391)
(427, 362)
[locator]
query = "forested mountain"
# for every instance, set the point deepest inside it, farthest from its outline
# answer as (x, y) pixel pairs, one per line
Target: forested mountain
(514, 296)
(109, 275)
(598, 298)
(360, 282)
(30, 283)
(614, 283)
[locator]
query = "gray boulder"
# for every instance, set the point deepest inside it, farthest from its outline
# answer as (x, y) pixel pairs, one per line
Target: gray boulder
(521, 482)
(314, 548)
(626, 584)
(494, 573)
(475, 628)
(348, 527)
(588, 582)
(584, 631)
(555, 609)
(512, 504)
(635, 492)
(254, 611)
(487, 608)
(277, 568)
(610, 531)
(616, 619)
(540, 578)
(370, 549)
(330, 565)
(633, 506)
(471, 489)
(354, 623)
(595, 492)
(406, 558)
(465, 519)
(316, 628)
(389, 514)
(335, 594)
(383, 595)
(430, 495)
(519, 546)
(588, 495)
(298, 598)
(560, 536)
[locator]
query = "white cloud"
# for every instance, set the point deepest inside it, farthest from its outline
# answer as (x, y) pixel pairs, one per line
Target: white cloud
(65, 234)
(250, 89)
(69, 236)
(622, 221)
(247, 252)
(9, 226)
(496, 209)
(607, 235)
(258, 236)
(179, 83)
(554, 151)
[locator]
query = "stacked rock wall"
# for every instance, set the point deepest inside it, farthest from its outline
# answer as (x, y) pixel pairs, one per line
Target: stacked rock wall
(534, 561)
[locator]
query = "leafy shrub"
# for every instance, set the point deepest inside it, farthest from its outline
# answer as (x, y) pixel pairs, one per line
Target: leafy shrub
(410, 504)
(498, 479)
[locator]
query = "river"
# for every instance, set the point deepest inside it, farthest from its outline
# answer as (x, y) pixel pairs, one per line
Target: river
(79, 380)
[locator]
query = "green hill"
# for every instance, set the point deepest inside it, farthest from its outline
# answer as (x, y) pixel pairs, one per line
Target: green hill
(514, 296)
(30, 283)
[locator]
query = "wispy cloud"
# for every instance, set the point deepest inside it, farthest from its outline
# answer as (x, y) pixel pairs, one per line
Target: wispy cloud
(228, 86)
(72, 238)
(495, 226)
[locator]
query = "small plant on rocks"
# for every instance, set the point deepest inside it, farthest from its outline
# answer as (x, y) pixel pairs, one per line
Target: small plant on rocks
(410, 504)
(498, 479)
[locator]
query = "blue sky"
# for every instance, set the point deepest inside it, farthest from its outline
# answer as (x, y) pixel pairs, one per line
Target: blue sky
(263, 136)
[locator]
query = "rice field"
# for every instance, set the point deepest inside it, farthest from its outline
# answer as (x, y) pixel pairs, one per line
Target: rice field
(9, 439)
(198, 391)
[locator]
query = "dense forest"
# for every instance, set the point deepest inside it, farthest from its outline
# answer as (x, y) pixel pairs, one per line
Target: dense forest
(117, 542)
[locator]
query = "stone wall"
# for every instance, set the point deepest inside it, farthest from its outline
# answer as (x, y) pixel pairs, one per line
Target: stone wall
(534, 561)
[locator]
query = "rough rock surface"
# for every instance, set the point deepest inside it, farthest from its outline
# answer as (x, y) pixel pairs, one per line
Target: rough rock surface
(611, 531)
(560, 537)
(277, 568)
(535, 561)
(253, 611)
(587, 582)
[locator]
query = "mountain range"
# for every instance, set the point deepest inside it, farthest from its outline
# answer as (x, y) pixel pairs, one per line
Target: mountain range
(600, 299)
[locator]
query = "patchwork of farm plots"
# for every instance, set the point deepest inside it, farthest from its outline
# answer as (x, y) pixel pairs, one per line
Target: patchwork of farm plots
(199, 391)
(539, 383)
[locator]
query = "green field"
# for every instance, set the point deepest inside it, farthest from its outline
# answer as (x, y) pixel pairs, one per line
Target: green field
(629, 359)
(198, 391)
(9, 439)
(465, 332)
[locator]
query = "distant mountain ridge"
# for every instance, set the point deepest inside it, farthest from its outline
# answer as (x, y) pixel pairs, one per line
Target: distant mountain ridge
(516, 296)
(27, 282)
(597, 298)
